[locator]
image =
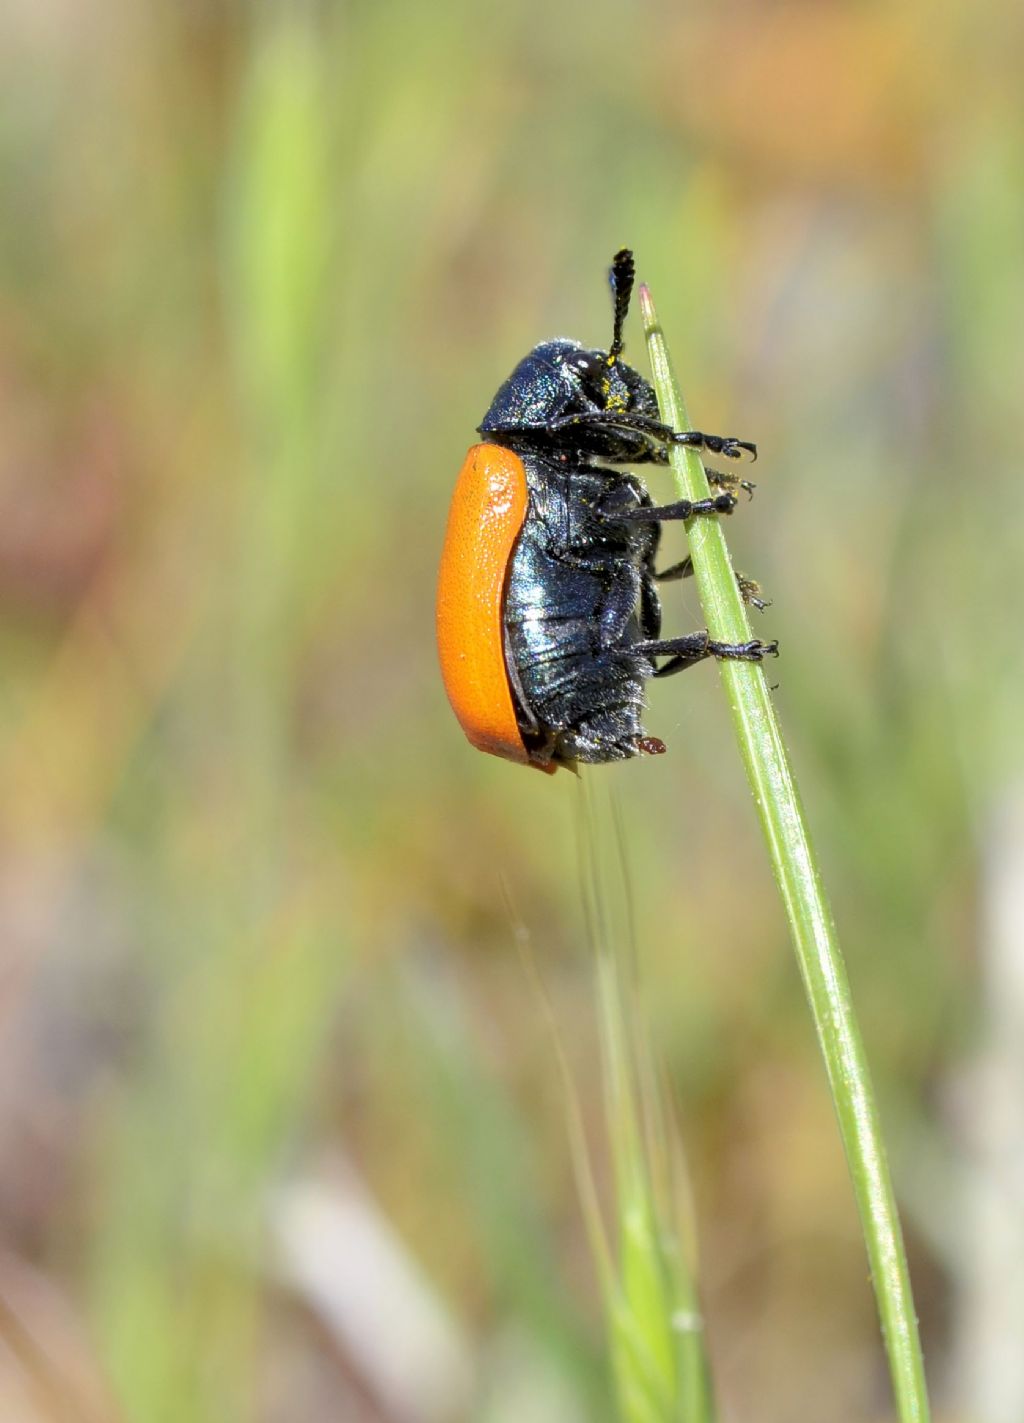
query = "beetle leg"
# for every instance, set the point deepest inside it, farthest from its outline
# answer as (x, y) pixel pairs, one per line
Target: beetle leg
(620, 601)
(683, 569)
(750, 592)
(750, 589)
(650, 605)
(617, 419)
(648, 453)
(726, 445)
(682, 509)
(687, 651)
(721, 479)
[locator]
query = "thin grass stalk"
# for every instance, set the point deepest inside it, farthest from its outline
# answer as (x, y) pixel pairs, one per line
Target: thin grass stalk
(803, 895)
(655, 1329)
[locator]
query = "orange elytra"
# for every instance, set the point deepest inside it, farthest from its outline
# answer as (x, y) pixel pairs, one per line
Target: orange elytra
(487, 512)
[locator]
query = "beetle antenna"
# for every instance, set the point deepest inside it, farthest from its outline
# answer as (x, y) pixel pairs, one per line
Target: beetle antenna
(621, 277)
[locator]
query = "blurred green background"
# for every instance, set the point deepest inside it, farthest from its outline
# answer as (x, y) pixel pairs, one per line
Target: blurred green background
(281, 1130)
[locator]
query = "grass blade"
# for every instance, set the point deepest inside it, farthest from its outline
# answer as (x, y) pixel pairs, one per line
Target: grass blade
(803, 896)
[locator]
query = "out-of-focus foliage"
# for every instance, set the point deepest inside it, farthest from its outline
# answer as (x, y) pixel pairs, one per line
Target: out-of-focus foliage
(261, 268)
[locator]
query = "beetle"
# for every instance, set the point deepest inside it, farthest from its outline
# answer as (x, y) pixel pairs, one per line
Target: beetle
(548, 614)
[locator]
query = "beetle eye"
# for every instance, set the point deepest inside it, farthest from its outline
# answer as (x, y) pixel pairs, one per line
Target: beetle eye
(592, 370)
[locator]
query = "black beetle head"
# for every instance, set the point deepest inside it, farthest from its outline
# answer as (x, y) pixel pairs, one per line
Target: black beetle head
(548, 397)
(559, 379)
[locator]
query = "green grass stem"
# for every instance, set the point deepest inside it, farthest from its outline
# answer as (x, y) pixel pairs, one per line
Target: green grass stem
(807, 909)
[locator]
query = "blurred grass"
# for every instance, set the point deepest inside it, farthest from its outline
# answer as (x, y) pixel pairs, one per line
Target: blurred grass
(645, 1252)
(262, 271)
